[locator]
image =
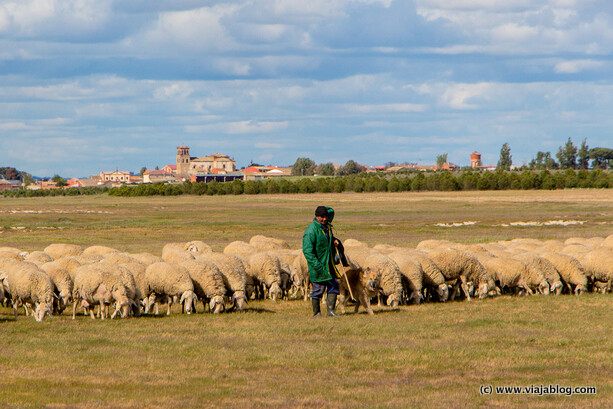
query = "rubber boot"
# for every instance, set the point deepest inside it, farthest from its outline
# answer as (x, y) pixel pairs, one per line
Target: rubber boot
(331, 301)
(316, 308)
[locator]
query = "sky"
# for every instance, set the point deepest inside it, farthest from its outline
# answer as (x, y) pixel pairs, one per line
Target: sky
(97, 85)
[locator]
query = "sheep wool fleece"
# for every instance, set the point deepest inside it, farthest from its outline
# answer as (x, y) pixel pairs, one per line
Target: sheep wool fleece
(317, 249)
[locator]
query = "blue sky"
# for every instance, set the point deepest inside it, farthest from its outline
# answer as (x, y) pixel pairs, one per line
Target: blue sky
(92, 85)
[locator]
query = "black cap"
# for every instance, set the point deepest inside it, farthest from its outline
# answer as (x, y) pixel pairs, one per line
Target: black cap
(321, 211)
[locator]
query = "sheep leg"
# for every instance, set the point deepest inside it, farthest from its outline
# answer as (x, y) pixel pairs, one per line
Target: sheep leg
(379, 300)
(465, 287)
(74, 309)
(169, 305)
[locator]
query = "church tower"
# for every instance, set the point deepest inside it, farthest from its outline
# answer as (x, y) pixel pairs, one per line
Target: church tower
(183, 161)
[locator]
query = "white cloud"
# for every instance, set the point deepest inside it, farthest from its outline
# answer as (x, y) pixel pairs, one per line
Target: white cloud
(383, 108)
(576, 66)
(245, 127)
(460, 96)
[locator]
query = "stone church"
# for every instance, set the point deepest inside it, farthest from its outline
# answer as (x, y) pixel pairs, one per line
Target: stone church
(212, 164)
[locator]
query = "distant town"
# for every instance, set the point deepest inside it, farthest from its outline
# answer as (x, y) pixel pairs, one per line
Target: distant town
(218, 167)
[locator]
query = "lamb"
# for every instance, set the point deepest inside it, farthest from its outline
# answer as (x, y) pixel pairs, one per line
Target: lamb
(93, 286)
(99, 250)
(30, 286)
(63, 282)
(412, 274)
(168, 280)
(241, 249)
(265, 268)
(363, 284)
(456, 264)
(61, 250)
(570, 270)
(234, 274)
(38, 257)
(514, 274)
(547, 269)
(208, 283)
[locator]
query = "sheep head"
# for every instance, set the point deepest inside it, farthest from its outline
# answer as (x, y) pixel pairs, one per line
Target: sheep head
(484, 290)
(240, 299)
(580, 288)
(544, 287)
(417, 297)
(122, 306)
(557, 287)
(187, 299)
(275, 291)
(217, 304)
(393, 301)
(42, 309)
(443, 292)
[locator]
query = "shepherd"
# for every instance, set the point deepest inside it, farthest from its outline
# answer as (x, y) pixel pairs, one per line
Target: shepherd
(323, 252)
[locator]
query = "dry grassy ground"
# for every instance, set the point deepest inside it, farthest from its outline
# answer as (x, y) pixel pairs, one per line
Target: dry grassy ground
(432, 355)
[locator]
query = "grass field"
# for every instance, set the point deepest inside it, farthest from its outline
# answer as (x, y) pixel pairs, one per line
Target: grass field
(432, 355)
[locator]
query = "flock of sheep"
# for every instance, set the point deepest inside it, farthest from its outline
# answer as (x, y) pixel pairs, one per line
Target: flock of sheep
(47, 282)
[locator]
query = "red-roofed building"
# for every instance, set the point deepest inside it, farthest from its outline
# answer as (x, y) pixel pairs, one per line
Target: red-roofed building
(152, 176)
(172, 169)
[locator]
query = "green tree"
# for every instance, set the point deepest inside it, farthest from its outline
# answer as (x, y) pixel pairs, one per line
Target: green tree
(567, 155)
(583, 156)
(325, 169)
(441, 160)
(350, 168)
(543, 161)
(157, 168)
(59, 181)
(303, 167)
(142, 171)
(506, 160)
(601, 157)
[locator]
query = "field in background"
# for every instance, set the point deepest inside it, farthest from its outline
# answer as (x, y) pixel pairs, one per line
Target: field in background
(432, 355)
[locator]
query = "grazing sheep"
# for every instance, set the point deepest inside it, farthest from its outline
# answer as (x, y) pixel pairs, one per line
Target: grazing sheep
(457, 264)
(208, 283)
(99, 251)
(126, 277)
(117, 258)
(63, 282)
(89, 258)
(176, 256)
(241, 249)
(12, 250)
(30, 286)
(547, 269)
(265, 268)
(514, 274)
(93, 286)
(146, 258)
(168, 280)
(10, 255)
(234, 274)
(290, 257)
(196, 247)
(598, 266)
(363, 284)
(412, 275)
(354, 243)
(69, 263)
(61, 250)
(570, 270)
(608, 241)
(433, 279)
(38, 257)
(434, 244)
(263, 243)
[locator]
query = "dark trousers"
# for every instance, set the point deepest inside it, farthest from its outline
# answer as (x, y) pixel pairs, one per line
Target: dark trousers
(330, 287)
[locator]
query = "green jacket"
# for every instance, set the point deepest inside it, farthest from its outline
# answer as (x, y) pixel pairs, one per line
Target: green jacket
(318, 252)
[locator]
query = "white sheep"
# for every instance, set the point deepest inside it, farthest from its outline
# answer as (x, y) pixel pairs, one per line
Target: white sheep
(412, 274)
(547, 269)
(117, 258)
(457, 264)
(30, 286)
(126, 277)
(433, 279)
(598, 266)
(240, 248)
(570, 270)
(61, 250)
(265, 269)
(264, 243)
(433, 244)
(63, 282)
(514, 274)
(208, 283)
(146, 258)
(168, 280)
(176, 256)
(38, 257)
(93, 286)
(99, 250)
(69, 263)
(234, 272)
(196, 247)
